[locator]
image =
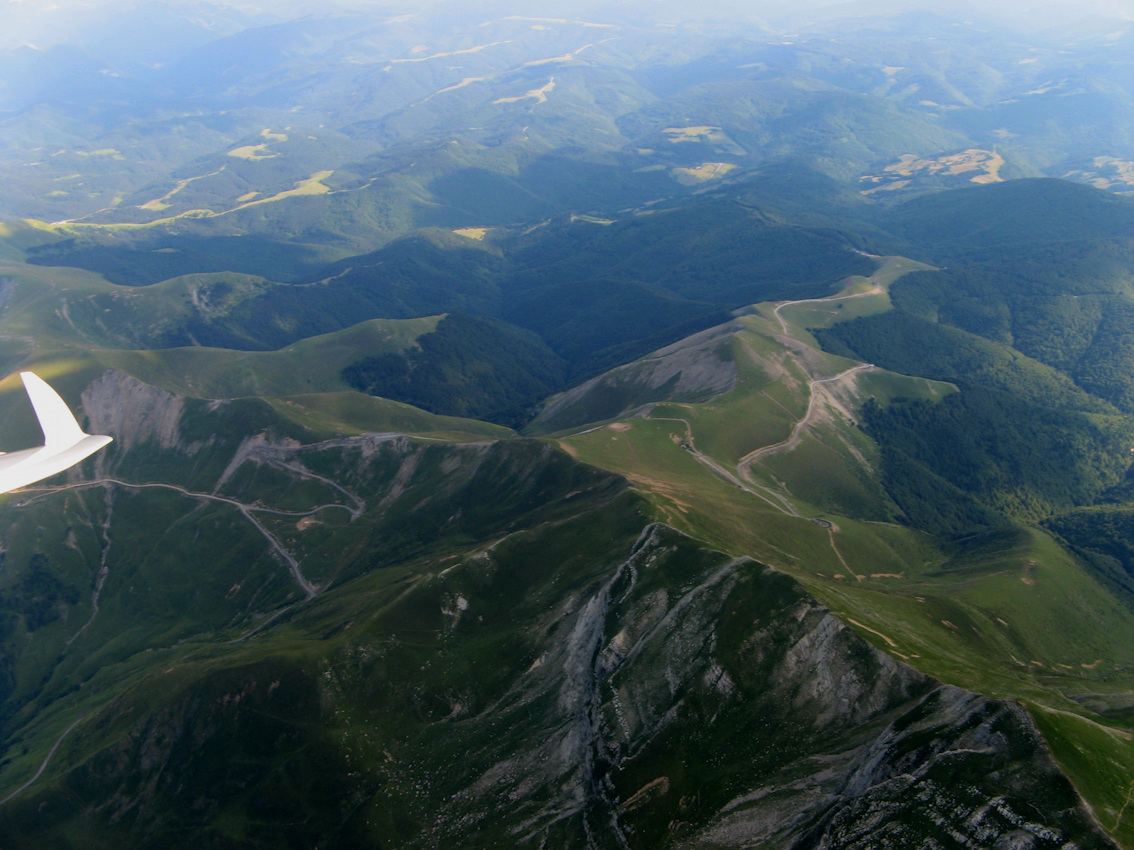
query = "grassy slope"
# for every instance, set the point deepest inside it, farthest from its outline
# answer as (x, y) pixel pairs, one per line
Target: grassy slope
(334, 413)
(165, 627)
(992, 631)
(329, 412)
(382, 710)
(1014, 617)
(313, 365)
(156, 605)
(71, 307)
(53, 325)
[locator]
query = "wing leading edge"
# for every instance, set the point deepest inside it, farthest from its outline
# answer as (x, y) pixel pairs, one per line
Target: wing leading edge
(64, 442)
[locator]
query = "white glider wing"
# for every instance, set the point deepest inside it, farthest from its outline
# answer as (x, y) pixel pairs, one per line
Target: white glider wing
(64, 442)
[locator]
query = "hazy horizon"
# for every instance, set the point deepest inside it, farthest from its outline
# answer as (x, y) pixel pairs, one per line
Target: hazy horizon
(43, 23)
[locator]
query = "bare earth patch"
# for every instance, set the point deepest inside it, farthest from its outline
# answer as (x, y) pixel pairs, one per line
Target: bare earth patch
(259, 151)
(702, 173)
(715, 136)
(538, 95)
(973, 165)
(477, 233)
(872, 631)
(1106, 172)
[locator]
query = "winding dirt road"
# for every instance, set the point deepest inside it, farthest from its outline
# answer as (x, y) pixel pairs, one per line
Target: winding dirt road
(46, 760)
(793, 440)
(268, 454)
(310, 590)
(874, 290)
(816, 388)
(768, 495)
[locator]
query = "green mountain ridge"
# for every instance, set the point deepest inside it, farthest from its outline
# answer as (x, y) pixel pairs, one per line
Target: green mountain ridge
(172, 711)
(673, 458)
(721, 413)
(813, 530)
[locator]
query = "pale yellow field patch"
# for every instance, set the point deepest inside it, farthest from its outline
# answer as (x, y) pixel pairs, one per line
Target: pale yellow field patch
(110, 152)
(705, 134)
(693, 134)
(566, 57)
(703, 173)
(252, 152)
(467, 50)
(1106, 172)
(159, 204)
(313, 185)
(467, 81)
(539, 95)
(978, 165)
(257, 151)
(477, 233)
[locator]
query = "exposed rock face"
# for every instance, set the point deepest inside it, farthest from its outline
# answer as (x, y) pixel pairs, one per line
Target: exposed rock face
(132, 411)
(517, 658)
(679, 718)
(707, 702)
(955, 770)
(692, 370)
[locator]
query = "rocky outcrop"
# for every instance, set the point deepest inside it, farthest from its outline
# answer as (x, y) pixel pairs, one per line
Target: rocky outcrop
(510, 654)
(699, 702)
(694, 369)
(954, 770)
(132, 411)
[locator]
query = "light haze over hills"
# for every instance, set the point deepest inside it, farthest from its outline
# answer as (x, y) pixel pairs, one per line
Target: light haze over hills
(612, 425)
(116, 23)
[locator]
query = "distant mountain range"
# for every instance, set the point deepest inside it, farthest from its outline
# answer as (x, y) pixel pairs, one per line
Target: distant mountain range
(569, 431)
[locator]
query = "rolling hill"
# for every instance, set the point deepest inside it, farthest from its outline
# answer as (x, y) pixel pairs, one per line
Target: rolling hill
(570, 432)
